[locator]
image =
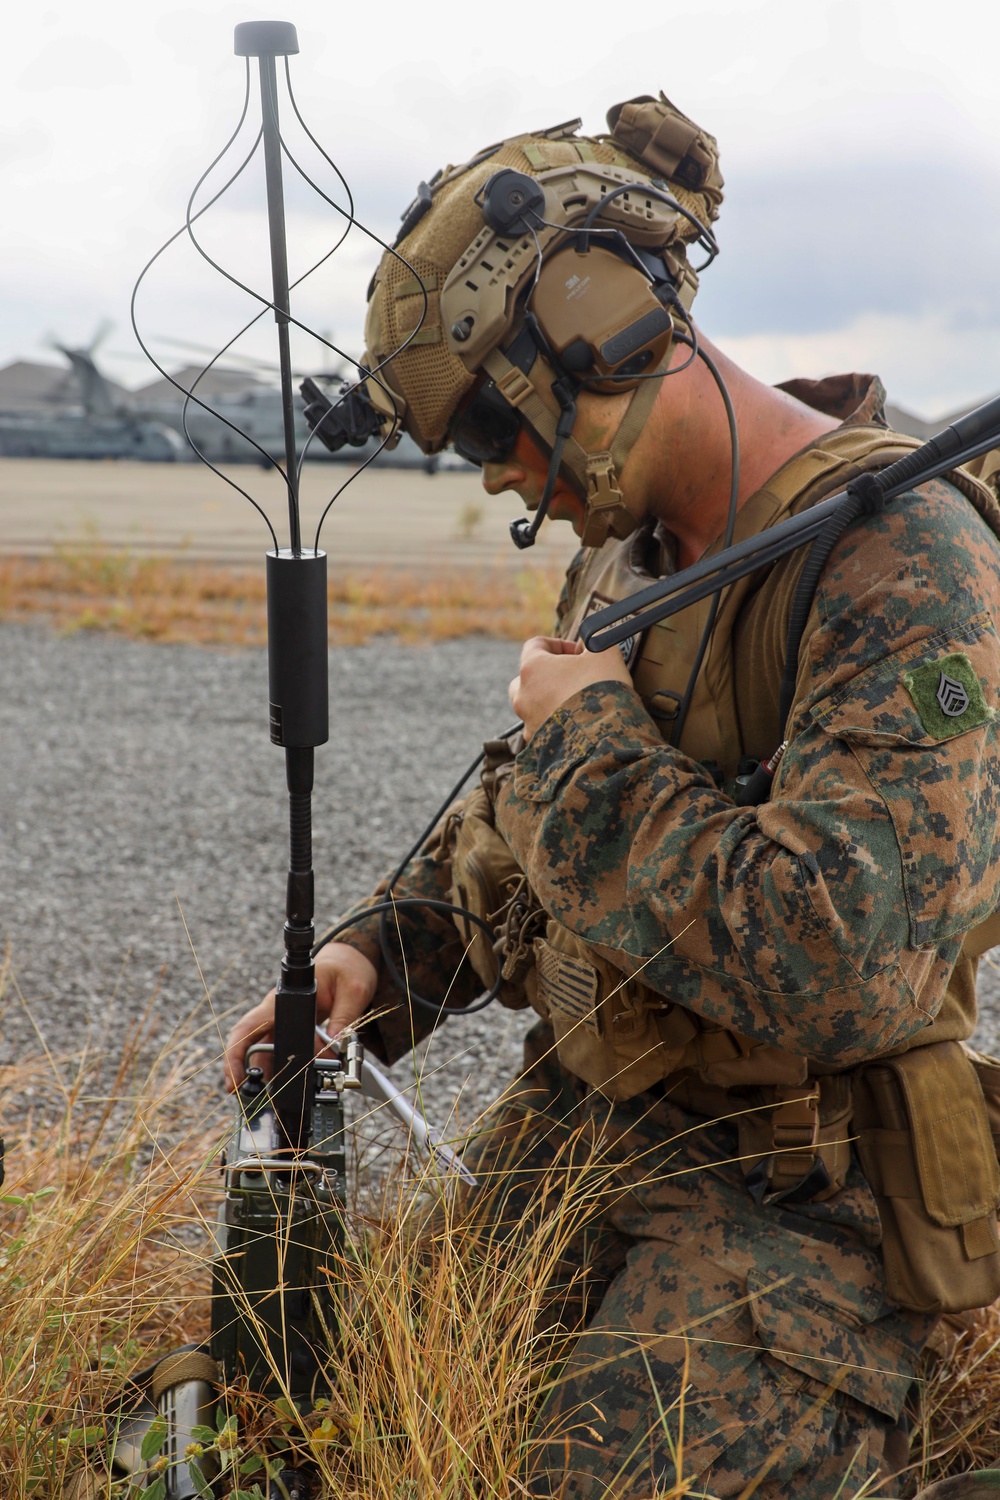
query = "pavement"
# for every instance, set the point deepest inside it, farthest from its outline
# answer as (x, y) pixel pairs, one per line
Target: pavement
(143, 837)
(142, 807)
(143, 814)
(385, 518)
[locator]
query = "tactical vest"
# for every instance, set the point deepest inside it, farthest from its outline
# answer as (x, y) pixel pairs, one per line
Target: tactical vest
(621, 1037)
(614, 1032)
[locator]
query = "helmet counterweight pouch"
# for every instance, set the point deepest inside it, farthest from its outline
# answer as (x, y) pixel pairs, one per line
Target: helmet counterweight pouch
(447, 299)
(672, 146)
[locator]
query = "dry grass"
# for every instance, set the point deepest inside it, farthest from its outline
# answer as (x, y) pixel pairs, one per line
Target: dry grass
(95, 587)
(98, 1263)
(959, 1428)
(443, 1353)
(447, 1341)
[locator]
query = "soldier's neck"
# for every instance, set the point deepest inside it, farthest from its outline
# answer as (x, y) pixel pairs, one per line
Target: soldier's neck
(682, 464)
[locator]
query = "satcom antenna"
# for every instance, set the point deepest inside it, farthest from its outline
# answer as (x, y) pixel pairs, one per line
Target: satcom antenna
(281, 1227)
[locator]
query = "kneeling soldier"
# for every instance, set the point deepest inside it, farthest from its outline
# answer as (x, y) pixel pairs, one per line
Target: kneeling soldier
(760, 1011)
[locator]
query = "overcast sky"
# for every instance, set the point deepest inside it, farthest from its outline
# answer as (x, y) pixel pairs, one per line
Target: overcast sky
(860, 142)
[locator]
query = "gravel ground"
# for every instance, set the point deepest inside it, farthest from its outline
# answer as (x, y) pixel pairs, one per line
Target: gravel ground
(140, 793)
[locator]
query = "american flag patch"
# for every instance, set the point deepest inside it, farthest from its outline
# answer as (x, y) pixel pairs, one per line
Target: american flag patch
(568, 985)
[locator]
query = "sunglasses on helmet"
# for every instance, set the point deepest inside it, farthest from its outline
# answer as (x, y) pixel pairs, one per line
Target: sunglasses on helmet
(485, 431)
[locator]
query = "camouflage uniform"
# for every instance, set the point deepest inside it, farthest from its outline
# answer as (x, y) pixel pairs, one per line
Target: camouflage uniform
(683, 1283)
(826, 922)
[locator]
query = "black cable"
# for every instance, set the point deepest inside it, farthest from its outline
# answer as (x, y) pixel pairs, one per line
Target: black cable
(191, 218)
(407, 903)
(564, 387)
(148, 266)
(963, 441)
(188, 393)
(352, 223)
(440, 812)
(616, 234)
(245, 329)
(389, 249)
(267, 304)
(587, 382)
(662, 288)
(866, 495)
(324, 154)
(398, 980)
(373, 373)
(390, 905)
(299, 280)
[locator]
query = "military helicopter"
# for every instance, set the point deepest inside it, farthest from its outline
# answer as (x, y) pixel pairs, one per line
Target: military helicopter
(106, 422)
(250, 408)
(97, 425)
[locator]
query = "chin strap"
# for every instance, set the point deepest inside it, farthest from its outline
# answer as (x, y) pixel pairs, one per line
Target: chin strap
(522, 531)
(607, 513)
(515, 387)
(596, 474)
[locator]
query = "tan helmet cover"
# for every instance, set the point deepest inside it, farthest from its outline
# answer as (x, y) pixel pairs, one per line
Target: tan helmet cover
(449, 246)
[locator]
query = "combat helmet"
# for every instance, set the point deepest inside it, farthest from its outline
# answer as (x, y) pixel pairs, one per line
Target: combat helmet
(548, 263)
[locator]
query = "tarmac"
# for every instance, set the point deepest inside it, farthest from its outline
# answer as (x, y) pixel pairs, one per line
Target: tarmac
(385, 517)
(144, 835)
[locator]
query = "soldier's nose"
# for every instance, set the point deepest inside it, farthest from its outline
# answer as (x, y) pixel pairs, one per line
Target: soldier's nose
(500, 477)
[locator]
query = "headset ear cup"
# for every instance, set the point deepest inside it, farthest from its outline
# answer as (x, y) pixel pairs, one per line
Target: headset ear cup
(601, 317)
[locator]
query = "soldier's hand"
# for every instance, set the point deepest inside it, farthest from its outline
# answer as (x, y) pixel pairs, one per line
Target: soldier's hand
(552, 671)
(345, 986)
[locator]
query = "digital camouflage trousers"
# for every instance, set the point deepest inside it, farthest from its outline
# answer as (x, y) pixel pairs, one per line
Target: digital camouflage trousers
(719, 1348)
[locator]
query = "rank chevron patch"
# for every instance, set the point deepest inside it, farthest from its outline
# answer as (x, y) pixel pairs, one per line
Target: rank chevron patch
(948, 695)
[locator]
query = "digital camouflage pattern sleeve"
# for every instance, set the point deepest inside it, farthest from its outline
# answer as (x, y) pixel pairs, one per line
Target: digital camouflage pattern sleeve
(428, 954)
(827, 920)
(433, 955)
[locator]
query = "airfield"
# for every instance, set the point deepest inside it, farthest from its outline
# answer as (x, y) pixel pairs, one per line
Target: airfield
(386, 518)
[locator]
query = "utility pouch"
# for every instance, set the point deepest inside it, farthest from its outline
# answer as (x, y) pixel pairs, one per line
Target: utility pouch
(610, 1030)
(927, 1149)
(987, 1070)
(484, 879)
(795, 1142)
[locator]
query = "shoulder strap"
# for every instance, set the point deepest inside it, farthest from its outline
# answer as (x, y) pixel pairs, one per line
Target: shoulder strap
(819, 470)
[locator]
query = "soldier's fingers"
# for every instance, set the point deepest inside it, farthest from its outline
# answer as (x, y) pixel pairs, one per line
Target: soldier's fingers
(256, 1024)
(350, 1001)
(532, 646)
(547, 645)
